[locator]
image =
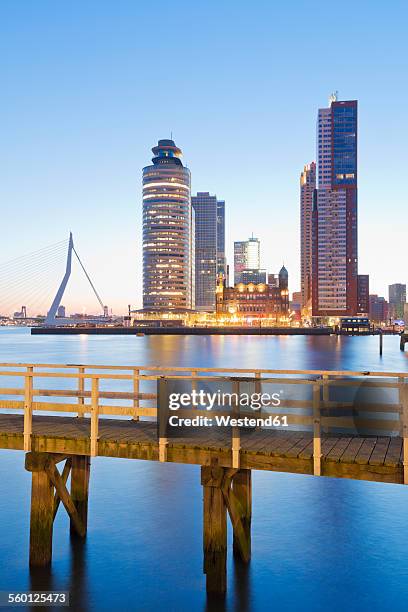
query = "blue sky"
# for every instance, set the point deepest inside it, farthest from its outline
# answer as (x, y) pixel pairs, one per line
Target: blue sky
(89, 87)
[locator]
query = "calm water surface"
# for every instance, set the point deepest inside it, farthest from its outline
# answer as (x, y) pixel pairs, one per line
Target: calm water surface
(318, 543)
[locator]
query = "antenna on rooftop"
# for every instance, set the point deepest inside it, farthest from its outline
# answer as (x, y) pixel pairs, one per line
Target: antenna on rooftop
(333, 96)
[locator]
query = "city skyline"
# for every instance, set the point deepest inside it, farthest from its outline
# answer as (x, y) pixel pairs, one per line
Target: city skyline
(75, 140)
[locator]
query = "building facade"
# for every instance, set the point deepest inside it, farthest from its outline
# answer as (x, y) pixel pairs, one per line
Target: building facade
(378, 309)
(207, 226)
(247, 256)
(168, 232)
(251, 301)
(334, 217)
(221, 256)
(253, 276)
(307, 190)
(363, 294)
(397, 296)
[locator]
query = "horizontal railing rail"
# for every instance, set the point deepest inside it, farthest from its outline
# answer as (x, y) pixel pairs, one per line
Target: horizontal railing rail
(318, 413)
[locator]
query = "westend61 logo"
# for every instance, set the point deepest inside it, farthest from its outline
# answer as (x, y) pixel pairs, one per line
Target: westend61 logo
(219, 400)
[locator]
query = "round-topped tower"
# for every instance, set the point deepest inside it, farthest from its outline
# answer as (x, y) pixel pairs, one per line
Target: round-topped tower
(168, 246)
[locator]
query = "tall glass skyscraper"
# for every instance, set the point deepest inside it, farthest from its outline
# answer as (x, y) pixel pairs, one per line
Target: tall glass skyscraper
(334, 265)
(397, 297)
(168, 232)
(209, 248)
(247, 256)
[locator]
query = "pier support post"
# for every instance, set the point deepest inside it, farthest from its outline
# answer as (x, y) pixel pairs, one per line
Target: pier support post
(242, 491)
(214, 529)
(42, 511)
(80, 489)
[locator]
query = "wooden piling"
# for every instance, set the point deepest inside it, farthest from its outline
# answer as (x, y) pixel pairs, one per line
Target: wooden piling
(214, 530)
(242, 490)
(42, 513)
(381, 343)
(80, 489)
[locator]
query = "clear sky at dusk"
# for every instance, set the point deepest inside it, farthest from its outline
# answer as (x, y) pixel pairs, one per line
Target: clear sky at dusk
(89, 87)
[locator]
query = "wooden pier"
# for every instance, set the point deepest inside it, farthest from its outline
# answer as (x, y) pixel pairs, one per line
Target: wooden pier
(64, 415)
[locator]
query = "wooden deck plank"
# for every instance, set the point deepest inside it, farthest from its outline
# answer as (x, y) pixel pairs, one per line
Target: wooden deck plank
(380, 451)
(394, 452)
(349, 454)
(365, 450)
(350, 457)
(338, 449)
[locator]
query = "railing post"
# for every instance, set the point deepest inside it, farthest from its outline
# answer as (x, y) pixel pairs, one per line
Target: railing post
(326, 397)
(317, 443)
(28, 408)
(194, 382)
(236, 441)
(94, 416)
(81, 389)
(404, 396)
(163, 407)
(136, 387)
(258, 384)
(401, 405)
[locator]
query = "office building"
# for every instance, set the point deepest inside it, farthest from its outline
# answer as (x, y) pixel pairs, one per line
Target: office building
(253, 276)
(334, 217)
(378, 309)
(307, 190)
(246, 257)
(209, 239)
(168, 232)
(221, 256)
(397, 296)
(363, 294)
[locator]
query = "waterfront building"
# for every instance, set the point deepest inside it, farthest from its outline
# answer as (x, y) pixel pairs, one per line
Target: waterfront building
(209, 239)
(61, 313)
(397, 296)
(247, 256)
(307, 191)
(334, 218)
(253, 301)
(378, 309)
(363, 294)
(168, 232)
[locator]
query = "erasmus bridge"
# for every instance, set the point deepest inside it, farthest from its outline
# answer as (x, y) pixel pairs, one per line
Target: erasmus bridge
(32, 286)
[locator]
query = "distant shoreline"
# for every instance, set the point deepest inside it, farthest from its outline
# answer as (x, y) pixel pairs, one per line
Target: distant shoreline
(185, 331)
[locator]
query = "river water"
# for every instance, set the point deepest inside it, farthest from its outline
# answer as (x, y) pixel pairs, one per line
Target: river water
(317, 543)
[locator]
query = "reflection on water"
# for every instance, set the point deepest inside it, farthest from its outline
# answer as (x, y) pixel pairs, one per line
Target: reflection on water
(317, 544)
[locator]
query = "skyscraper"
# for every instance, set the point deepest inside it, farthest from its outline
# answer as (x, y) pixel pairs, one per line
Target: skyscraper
(334, 259)
(168, 232)
(307, 190)
(240, 250)
(221, 257)
(246, 257)
(209, 239)
(397, 296)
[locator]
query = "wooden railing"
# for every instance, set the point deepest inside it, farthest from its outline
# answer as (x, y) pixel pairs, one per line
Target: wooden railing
(316, 414)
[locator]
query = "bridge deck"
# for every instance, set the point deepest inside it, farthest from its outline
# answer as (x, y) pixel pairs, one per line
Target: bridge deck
(364, 458)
